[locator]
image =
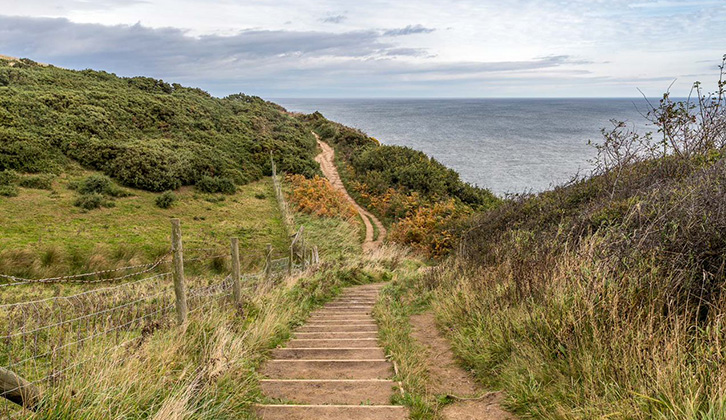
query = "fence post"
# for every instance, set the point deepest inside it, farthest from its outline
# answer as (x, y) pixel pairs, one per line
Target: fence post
(290, 260)
(236, 292)
(268, 260)
(316, 257)
(178, 260)
(18, 390)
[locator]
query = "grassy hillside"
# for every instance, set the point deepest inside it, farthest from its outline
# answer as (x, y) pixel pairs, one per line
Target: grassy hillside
(145, 133)
(604, 298)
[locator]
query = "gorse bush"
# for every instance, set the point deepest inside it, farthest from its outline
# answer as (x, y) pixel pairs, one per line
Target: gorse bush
(8, 191)
(143, 132)
(92, 201)
(212, 185)
(98, 184)
(39, 182)
(8, 177)
(166, 200)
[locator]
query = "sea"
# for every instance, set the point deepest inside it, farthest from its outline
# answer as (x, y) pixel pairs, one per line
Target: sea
(509, 146)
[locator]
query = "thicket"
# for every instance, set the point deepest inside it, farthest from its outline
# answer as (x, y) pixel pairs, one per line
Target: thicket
(404, 187)
(145, 133)
(316, 196)
(96, 191)
(604, 297)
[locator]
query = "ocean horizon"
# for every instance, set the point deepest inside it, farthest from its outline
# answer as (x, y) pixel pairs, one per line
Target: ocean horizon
(508, 145)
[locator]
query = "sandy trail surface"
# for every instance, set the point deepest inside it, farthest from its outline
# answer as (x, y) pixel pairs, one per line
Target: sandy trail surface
(326, 159)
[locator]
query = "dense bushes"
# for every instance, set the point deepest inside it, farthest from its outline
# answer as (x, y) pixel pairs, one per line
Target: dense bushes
(39, 182)
(145, 133)
(211, 185)
(96, 191)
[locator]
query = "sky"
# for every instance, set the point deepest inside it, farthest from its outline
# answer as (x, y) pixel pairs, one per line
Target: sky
(401, 48)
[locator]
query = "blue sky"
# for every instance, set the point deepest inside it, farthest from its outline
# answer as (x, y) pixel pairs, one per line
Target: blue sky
(403, 48)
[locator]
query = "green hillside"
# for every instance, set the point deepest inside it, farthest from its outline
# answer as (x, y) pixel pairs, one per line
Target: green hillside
(143, 132)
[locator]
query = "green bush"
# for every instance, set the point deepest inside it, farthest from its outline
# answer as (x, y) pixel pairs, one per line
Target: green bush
(100, 184)
(8, 190)
(38, 182)
(8, 177)
(143, 132)
(212, 185)
(92, 201)
(166, 200)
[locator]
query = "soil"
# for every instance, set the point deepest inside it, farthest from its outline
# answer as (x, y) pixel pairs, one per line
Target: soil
(448, 378)
(326, 159)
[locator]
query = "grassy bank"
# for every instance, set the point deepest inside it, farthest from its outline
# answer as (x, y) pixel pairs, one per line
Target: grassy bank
(206, 370)
(57, 238)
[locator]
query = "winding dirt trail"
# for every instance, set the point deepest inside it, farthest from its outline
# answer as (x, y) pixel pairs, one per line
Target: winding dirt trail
(326, 159)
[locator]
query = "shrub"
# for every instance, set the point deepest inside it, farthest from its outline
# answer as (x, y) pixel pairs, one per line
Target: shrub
(166, 200)
(92, 201)
(100, 184)
(260, 195)
(213, 185)
(8, 177)
(39, 182)
(317, 196)
(8, 190)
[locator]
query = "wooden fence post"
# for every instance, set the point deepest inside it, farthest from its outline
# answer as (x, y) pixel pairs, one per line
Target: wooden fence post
(18, 390)
(268, 260)
(178, 260)
(316, 257)
(236, 291)
(290, 260)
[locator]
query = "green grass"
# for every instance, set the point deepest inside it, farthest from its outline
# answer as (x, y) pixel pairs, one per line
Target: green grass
(44, 234)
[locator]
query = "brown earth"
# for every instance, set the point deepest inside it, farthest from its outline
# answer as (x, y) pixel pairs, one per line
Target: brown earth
(326, 159)
(446, 377)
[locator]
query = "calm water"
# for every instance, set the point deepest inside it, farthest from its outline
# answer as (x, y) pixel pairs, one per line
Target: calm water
(506, 145)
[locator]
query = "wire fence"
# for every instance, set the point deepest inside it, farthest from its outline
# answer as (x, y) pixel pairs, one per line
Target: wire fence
(43, 339)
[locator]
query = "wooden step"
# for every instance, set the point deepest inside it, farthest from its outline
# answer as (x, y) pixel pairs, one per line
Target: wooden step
(335, 353)
(326, 335)
(327, 391)
(331, 343)
(331, 412)
(337, 328)
(328, 369)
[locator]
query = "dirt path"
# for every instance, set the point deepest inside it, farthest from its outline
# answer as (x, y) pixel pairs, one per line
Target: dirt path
(333, 368)
(448, 378)
(326, 159)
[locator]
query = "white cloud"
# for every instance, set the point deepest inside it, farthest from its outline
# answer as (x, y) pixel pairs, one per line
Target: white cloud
(604, 47)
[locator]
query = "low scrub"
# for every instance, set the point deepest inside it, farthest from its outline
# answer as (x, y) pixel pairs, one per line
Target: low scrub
(38, 182)
(165, 200)
(316, 196)
(214, 185)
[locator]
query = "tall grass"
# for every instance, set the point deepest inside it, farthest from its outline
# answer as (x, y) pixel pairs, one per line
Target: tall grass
(604, 298)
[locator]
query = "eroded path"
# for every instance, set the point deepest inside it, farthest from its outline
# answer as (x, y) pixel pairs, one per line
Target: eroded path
(326, 159)
(333, 367)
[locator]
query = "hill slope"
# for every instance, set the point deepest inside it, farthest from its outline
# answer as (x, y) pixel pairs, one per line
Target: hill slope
(146, 133)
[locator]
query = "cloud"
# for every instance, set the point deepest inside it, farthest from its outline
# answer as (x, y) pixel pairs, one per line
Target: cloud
(263, 62)
(334, 19)
(408, 30)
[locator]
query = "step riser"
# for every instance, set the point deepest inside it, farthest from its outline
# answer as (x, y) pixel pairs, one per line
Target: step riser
(335, 392)
(329, 354)
(331, 344)
(297, 412)
(333, 321)
(308, 369)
